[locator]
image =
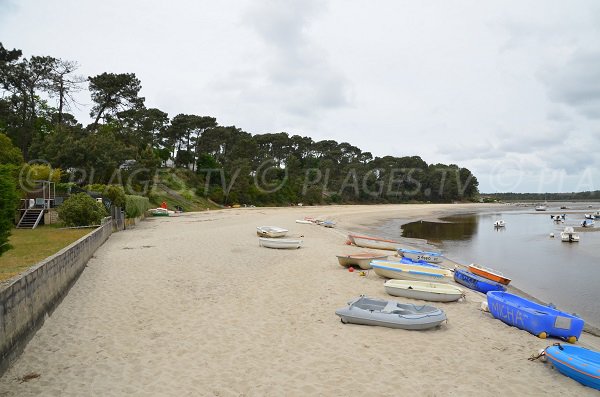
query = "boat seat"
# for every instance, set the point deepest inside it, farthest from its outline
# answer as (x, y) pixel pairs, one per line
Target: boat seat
(391, 307)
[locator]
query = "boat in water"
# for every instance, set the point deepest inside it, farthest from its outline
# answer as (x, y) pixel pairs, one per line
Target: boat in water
(373, 242)
(578, 363)
(361, 259)
(587, 223)
(475, 282)
(416, 255)
(410, 271)
(423, 290)
(499, 223)
(370, 311)
(280, 243)
(271, 231)
(540, 320)
(569, 235)
(488, 273)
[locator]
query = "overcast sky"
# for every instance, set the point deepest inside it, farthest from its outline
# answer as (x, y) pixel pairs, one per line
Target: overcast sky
(508, 89)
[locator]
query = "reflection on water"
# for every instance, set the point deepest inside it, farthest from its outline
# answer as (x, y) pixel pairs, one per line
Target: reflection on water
(455, 228)
(566, 274)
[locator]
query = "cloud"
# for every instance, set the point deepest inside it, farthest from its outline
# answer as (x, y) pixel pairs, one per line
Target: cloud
(577, 83)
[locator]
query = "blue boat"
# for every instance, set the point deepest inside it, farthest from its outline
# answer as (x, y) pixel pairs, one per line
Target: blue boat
(476, 282)
(577, 363)
(540, 320)
(409, 261)
(427, 256)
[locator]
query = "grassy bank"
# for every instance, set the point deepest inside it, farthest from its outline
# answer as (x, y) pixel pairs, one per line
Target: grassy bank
(31, 246)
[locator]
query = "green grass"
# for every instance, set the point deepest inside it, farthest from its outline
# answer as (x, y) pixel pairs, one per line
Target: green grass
(31, 246)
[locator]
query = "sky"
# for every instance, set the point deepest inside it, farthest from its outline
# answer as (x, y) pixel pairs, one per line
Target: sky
(508, 89)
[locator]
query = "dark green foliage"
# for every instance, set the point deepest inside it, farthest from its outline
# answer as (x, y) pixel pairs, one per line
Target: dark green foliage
(81, 210)
(136, 205)
(9, 154)
(8, 204)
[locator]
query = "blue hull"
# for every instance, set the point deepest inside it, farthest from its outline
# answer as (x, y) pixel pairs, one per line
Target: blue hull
(408, 261)
(533, 317)
(577, 363)
(475, 282)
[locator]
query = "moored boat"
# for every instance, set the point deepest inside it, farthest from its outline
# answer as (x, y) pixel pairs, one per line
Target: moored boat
(280, 243)
(541, 207)
(373, 242)
(499, 223)
(578, 363)
(569, 235)
(271, 231)
(423, 290)
(490, 274)
(587, 223)
(404, 271)
(540, 320)
(392, 314)
(361, 259)
(475, 282)
(416, 255)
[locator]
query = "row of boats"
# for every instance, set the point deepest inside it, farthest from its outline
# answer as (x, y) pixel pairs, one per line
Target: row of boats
(273, 236)
(421, 275)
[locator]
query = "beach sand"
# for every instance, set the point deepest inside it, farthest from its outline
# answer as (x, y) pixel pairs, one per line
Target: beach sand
(192, 306)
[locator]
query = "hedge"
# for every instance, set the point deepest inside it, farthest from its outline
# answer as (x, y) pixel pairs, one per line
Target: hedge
(136, 205)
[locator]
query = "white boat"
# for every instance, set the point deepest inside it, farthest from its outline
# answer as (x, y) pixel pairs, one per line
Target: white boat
(499, 223)
(427, 256)
(303, 222)
(161, 212)
(361, 259)
(423, 290)
(587, 223)
(271, 231)
(403, 271)
(569, 235)
(541, 207)
(280, 243)
(373, 242)
(588, 216)
(597, 215)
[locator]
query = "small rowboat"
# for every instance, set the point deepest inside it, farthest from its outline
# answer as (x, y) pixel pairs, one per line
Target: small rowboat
(577, 363)
(540, 320)
(423, 290)
(370, 311)
(329, 224)
(499, 223)
(279, 243)
(403, 271)
(427, 256)
(304, 222)
(490, 274)
(473, 281)
(362, 259)
(271, 231)
(373, 242)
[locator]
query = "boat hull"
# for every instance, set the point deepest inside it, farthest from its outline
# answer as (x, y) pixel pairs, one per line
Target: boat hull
(537, 319)
(402, 271)
(431, 257)
(271, 231)
(391, 314)
(362, 260)
(489, 274)
(474, 282)
(576, 362)
(373, 242)
(427, 291)
(279, 243)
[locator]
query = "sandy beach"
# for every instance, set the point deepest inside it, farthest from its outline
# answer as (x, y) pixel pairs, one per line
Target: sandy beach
(192, 306)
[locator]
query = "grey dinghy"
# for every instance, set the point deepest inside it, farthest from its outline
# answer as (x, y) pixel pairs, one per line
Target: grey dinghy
(392, 314)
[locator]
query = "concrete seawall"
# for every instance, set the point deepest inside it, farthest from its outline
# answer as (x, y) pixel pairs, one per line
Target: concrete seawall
(28, 297)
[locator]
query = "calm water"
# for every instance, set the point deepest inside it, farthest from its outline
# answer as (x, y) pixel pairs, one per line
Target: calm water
(567, 275)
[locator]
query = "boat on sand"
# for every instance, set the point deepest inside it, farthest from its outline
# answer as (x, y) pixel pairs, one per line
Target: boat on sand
(540, 320)
(423, 290)
(578, 363)
(413, 271)
(392, 314)
(416, 255)
(271, 231)
(361, 259)
(280, 243)
(475, 282)
(488, 273)
(373, 242)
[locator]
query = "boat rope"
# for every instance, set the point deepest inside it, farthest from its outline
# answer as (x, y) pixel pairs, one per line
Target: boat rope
(542, 353)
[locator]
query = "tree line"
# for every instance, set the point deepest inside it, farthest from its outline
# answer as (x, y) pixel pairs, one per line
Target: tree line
(226, 163)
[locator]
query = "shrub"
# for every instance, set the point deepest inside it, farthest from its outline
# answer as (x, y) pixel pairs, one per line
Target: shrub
(136, 205)
(8, 205)
(81, 210)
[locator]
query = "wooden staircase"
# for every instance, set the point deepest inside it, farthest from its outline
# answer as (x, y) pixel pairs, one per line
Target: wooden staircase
(31, 218)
